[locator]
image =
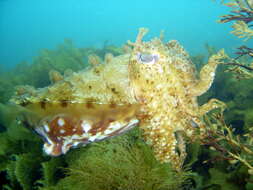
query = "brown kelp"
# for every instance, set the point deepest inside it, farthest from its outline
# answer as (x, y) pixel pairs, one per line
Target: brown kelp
(241, 16)
(227, 154)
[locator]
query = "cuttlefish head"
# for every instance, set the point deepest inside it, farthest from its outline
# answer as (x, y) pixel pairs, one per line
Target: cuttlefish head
(147, 57)
(147, 62)
(76, 125)
(148, 65)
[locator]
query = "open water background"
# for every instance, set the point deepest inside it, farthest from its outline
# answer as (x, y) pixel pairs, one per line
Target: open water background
(26, 26)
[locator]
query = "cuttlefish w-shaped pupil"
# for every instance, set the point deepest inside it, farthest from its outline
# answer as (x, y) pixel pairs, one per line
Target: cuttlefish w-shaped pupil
(147, 58)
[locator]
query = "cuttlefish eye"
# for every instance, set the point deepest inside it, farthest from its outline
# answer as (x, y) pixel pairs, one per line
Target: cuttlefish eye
(147, 58)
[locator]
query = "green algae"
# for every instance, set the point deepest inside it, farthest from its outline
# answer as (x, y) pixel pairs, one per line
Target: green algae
(124, 162)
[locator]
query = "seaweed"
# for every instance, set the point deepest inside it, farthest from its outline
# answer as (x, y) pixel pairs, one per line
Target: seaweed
(124, 162)
(66, 56)
(21, 158)
(241, 15)
(224, 161)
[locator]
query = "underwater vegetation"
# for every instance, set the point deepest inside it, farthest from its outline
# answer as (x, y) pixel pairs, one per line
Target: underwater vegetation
(242, 18)
(125, 163)
(65, 59)
(238, 148)
(230, 146)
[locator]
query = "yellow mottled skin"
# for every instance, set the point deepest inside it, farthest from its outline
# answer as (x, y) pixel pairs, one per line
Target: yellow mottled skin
(167, 90)
(157, 78)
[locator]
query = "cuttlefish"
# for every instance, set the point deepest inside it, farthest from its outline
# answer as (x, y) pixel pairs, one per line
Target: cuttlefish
(152, 85)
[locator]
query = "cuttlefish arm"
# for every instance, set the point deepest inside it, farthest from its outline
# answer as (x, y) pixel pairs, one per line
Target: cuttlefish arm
(207, 74)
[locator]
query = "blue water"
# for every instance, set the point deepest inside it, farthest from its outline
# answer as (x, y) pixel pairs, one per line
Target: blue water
(29, 25)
